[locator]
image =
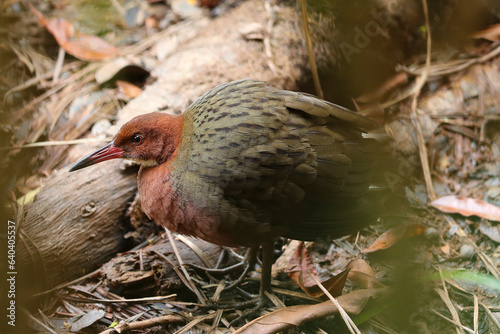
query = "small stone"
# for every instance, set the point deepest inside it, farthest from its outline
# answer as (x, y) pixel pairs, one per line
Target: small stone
(431, 232)
(466, 251)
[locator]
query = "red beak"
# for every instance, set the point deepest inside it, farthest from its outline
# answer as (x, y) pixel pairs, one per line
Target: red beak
(107, 152)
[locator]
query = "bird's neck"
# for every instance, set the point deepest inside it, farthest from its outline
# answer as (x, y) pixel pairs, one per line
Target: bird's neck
(172, 128)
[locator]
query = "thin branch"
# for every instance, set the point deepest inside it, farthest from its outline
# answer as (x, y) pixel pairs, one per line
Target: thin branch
(310, 48)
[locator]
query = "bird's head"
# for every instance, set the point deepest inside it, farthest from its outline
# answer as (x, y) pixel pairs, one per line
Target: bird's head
(149, 140)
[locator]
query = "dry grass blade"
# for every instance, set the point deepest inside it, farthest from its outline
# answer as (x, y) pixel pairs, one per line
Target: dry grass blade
(267, 37)
(121, 300)
(195, 249)
(59, 143)
(192, 286)
(458, 325)
(38, 79)
(295, 294)
(220, 312)
(50, 330)
(383, 328)
(347, 319)
(59, 65)
(194, 322)
(180, 274)
(124, 327)
(476, 315)
(443, 293)
(491, 315)
(493, 269)
(79, 279)
(275, 300)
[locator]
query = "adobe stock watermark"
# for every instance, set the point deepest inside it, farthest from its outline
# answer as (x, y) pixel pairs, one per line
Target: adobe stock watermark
(11, 273)
(406, 166)
(363, 36)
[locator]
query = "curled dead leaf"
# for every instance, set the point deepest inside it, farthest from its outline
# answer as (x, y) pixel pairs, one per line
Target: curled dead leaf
(394, 235)
(491, 33)
(362, 274)
(74, 42)
(467, 207)
(293, 316)
(301, 268)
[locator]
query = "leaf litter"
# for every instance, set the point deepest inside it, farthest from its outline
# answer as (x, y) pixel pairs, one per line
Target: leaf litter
(459, 122)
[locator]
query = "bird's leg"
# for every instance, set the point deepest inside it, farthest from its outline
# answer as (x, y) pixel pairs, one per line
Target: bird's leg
(265, 282)
(267, 263)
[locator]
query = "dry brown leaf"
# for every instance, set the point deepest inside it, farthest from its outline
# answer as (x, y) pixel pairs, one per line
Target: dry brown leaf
(128, 89)
(293, 316)
(301, 267)
(362, 275)
(387, 87)
(446, 249)
(392, 236)
(467, 207)
(491, 33)
(492, 232)
(74, 42)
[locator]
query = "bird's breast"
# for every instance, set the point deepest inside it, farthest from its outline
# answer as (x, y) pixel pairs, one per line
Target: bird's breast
(174, 202)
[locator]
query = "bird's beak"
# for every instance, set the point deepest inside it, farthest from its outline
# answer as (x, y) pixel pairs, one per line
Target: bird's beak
(107, 152)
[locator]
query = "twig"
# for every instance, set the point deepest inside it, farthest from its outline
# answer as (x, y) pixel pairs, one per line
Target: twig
(310, 49)
(455, 66)
(124, 327)
(414, 118)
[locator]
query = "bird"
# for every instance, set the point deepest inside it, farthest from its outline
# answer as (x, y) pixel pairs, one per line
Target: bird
(247, 163)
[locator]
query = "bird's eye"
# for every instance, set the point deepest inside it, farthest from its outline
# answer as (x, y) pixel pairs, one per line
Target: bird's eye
(137, 139)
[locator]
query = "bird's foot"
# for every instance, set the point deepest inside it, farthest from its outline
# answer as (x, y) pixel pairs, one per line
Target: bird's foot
(246, 264)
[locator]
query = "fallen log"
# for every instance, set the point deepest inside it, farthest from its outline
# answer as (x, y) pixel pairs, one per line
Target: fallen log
(75, 224)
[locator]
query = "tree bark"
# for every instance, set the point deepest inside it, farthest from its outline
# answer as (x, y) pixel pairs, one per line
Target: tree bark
(75, 224)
